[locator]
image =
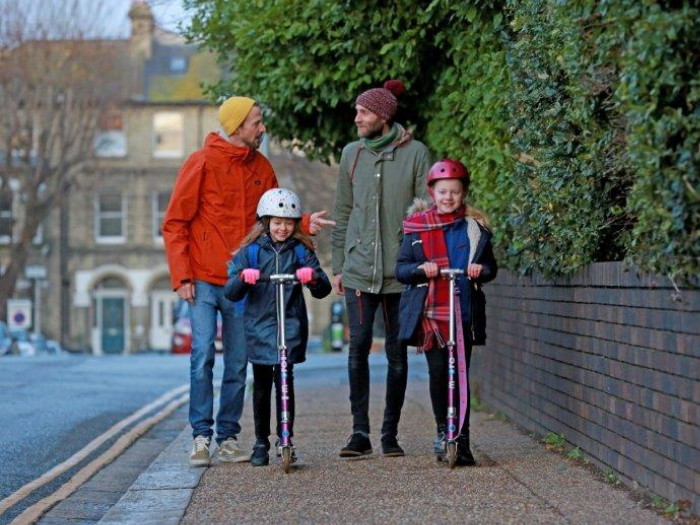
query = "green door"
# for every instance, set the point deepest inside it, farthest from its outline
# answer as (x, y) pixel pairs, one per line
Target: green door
(113, 325)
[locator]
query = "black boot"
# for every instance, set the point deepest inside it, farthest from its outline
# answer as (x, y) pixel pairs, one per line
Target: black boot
(439, 442)
(465, 458)
(260, 456)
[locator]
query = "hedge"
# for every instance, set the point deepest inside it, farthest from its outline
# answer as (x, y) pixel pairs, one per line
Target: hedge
(579, 120)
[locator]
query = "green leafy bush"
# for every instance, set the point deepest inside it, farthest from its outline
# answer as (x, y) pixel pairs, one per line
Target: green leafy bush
(578, 119)
(660, 96)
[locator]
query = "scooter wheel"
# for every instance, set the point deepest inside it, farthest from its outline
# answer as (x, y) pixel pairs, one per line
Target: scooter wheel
(286, 459)
(452, 454)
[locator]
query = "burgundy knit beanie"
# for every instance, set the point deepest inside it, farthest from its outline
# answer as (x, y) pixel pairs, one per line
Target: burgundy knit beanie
(382, 101)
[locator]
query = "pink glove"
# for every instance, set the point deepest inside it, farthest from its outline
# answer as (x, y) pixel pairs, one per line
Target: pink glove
(250, 275)
(305, 275)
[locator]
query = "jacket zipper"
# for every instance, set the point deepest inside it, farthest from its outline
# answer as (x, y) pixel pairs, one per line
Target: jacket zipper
(376, 232)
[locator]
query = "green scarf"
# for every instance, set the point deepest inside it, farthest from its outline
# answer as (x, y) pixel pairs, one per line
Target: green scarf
(378, 144)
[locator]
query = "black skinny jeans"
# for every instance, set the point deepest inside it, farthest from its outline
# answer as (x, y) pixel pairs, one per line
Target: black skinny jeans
(263, 377)
(361, 310)
(437, 371)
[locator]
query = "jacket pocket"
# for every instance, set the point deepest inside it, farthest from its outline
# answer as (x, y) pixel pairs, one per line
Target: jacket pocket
(478, 314)
(411, 312)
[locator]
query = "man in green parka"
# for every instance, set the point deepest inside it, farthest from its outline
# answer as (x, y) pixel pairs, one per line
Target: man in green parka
(379, 176)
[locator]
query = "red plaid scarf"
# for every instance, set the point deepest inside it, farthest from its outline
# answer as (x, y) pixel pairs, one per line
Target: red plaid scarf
(436, 313)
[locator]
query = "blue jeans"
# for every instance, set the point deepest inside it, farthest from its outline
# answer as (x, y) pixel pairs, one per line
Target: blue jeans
(208, 299)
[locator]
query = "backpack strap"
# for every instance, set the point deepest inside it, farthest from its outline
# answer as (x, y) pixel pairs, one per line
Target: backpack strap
(253, 251)
(300, 253)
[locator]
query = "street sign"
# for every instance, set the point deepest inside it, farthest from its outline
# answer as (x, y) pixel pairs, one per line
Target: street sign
(19, 313)
(35, 271)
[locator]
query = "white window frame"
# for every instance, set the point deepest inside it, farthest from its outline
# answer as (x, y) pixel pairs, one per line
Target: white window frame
(168, 154)
(157, 218)
(8, 214)
(110, 239)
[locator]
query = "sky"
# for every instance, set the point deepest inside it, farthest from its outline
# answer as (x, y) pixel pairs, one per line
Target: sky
(89, 18)
(168, 13)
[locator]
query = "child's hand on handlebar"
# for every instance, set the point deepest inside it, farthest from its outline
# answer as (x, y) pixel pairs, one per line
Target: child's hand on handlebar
(250, 275)
(474, 271)
(305, 275)
(430, 268)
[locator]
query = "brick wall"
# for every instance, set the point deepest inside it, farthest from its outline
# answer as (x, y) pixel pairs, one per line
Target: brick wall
(609, 359)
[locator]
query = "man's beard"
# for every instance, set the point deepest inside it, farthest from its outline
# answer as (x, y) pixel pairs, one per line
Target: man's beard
(373, 133)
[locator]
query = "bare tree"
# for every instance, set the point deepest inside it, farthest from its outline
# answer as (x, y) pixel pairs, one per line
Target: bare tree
(56, 81)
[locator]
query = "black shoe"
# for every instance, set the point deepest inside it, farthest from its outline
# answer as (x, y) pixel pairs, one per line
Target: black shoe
(260, 457)
(465, 458)
(358, 445)
(439, 442)
(391, 447)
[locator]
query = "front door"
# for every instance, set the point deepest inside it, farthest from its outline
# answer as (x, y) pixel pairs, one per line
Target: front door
(113, 325)
(162, 304)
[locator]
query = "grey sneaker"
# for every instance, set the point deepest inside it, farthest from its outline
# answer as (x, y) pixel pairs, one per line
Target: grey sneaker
(229, 451)
(199, 457)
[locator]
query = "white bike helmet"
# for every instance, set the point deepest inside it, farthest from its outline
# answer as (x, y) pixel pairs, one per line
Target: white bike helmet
(279, 202)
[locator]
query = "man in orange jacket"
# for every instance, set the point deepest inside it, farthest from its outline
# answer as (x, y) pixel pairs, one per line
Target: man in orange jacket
(211, 209)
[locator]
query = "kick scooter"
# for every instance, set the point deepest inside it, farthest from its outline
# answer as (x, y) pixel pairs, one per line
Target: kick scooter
(451, 436)
(280, 280)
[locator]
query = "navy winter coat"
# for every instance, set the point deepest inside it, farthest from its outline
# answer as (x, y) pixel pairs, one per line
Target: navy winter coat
(477, 240)
(260, 313)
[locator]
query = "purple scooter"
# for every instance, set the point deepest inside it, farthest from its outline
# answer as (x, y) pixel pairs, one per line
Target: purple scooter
(285, 443)
(451, 274)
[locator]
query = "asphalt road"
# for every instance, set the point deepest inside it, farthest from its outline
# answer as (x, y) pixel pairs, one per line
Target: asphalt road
(52, 406)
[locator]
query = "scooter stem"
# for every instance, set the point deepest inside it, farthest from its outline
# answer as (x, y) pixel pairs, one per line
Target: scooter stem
(280, 280)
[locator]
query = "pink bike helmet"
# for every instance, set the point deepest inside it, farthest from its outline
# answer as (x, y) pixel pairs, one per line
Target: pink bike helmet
(448, 169)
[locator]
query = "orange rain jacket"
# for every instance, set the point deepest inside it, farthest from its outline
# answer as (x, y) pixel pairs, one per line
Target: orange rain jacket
(212, 208)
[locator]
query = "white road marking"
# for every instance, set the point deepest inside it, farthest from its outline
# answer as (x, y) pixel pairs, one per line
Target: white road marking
(76, 458)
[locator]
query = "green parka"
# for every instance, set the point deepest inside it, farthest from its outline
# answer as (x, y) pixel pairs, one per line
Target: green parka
(373, 192)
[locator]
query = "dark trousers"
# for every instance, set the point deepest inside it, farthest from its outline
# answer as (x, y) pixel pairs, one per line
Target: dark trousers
(437, 371)
(361, 310)
(263, 377)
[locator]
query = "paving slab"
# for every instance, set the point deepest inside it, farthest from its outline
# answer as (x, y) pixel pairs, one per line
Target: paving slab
(161, 492)
(516, 480)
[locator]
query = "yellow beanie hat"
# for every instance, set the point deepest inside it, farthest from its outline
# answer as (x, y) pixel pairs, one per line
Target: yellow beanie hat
(233, 112)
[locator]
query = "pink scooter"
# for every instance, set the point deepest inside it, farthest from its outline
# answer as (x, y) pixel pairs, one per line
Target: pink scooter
(451, 274)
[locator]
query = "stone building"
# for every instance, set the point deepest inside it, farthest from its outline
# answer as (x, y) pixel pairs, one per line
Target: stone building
(98, 275)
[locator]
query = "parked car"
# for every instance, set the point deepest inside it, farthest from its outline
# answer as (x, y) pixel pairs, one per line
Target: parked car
(54, 347)
(181, 342)
(39, 342)
(5, 339)
(22, 343)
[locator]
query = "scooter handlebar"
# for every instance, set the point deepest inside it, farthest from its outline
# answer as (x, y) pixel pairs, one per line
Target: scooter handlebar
(444, 272)
(281, 278)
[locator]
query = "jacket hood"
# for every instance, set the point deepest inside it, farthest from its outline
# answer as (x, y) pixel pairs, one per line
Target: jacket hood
(418, 206)
(403, 138)
(216, 142)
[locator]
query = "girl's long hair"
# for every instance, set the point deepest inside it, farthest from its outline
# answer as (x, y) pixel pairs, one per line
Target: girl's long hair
(263, 226)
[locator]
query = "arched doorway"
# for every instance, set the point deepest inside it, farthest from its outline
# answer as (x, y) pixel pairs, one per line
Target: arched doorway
(162, 299)
(111, 316)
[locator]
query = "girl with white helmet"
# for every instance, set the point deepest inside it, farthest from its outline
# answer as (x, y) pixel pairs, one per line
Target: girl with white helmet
(275, 245)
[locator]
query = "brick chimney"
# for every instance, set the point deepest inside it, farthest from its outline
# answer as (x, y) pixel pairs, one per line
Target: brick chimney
(142, 27)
